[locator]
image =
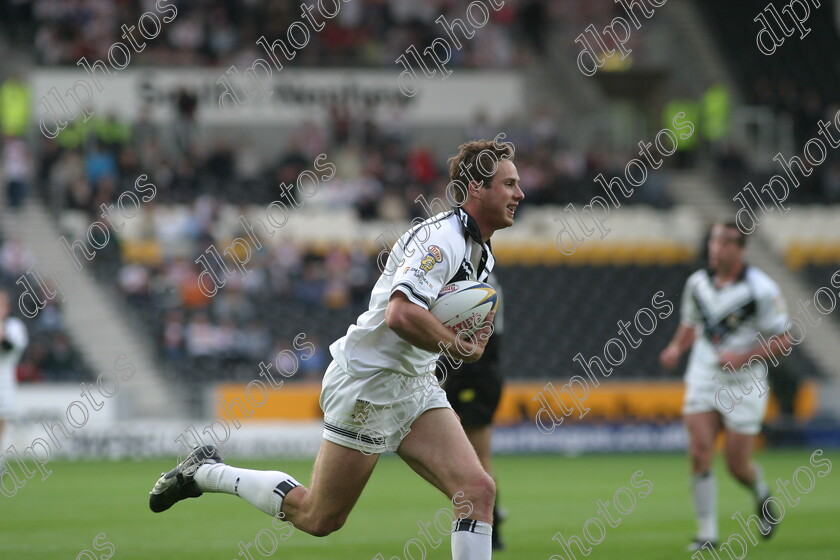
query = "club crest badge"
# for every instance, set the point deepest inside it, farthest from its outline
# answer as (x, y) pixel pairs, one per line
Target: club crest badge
(433, 257)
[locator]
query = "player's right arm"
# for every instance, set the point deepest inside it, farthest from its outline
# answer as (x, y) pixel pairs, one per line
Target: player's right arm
(419, 327)
(687, 331)
(682, 341)
(417, 285)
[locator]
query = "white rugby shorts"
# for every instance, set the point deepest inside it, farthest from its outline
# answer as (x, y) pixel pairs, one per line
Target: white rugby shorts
(373, 414)
(741, 412)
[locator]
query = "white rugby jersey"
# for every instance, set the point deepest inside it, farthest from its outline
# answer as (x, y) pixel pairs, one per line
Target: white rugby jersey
(12, 346)
(727, 319)
(444, 248)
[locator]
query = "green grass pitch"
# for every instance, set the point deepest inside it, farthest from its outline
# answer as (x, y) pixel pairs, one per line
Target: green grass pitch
(59, 518)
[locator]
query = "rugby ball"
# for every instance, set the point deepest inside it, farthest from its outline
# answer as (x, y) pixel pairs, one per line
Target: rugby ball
(463, 306)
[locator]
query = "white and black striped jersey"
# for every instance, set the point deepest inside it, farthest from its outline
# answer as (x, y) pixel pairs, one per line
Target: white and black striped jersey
(442, 249)
(727, 319)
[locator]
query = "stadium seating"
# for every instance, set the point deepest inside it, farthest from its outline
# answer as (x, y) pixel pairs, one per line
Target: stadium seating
(51, 354)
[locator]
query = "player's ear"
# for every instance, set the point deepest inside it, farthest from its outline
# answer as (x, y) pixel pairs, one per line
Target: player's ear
(474, 189)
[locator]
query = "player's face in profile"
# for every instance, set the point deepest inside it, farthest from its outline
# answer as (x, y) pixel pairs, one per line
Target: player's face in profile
(724, 250)
(503, 196)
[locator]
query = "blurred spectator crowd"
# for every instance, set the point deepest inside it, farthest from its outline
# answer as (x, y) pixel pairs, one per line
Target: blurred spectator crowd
(224, 32)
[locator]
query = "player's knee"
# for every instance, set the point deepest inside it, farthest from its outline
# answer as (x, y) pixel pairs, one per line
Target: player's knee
(701, 456)
(482, 491)
(699, 453)
(701, 449)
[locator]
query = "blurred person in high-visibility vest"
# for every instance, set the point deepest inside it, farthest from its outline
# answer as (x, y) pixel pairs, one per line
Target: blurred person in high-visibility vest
(687, 146)
(14, 106)
(716, 106)
(111, 131)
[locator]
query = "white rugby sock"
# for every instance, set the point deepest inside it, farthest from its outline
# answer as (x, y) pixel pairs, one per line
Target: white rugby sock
(471, 540)
(264, 490)
(704, 491)
(759, 487)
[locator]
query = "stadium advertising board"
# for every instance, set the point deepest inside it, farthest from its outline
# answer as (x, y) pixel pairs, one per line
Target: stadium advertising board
(289, 98)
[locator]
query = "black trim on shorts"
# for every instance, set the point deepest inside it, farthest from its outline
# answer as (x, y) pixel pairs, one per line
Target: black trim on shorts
(354, 435)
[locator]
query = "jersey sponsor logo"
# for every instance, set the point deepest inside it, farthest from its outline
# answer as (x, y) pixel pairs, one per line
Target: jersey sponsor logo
(447, 289)
(435, 251)
(420, 275)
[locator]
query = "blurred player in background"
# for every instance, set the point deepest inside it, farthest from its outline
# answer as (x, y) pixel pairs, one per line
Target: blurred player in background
(474, 391)
(722, 310)
(13, 341)
(384, 360)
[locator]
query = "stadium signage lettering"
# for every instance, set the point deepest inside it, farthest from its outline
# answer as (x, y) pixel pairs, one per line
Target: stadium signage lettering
(342, 89)
(314, 90)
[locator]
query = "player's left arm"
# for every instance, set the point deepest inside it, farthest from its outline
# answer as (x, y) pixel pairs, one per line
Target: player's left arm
(771, 322)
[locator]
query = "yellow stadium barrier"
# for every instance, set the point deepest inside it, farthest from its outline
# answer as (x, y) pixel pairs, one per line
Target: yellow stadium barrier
(613, 402)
